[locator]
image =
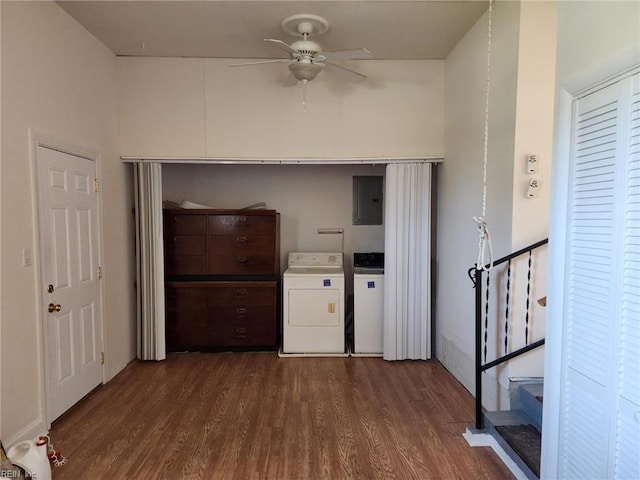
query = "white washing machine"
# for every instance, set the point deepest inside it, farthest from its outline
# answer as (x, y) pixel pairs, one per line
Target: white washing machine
(313, 304)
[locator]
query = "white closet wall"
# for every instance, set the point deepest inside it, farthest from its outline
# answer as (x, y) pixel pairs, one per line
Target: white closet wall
(198, 108)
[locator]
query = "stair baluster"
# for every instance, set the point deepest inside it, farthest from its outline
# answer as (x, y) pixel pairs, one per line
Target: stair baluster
(526, 318)
(486, 317)
(506, 312)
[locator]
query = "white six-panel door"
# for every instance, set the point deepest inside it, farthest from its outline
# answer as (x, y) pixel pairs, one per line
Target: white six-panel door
(70, 286)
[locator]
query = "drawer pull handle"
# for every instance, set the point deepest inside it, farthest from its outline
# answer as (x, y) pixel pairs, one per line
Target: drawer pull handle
(331, 308)
(242, 220)
(242, 260)
(241, 311)
(241, 292)
(241, 239)
(241, 332)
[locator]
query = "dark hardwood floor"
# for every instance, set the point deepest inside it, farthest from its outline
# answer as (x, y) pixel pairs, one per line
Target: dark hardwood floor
(252, 416)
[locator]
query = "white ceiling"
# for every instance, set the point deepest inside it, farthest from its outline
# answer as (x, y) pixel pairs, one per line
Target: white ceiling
(408, 29)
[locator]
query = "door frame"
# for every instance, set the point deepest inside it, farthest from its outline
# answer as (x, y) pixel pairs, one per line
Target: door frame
(37, 139)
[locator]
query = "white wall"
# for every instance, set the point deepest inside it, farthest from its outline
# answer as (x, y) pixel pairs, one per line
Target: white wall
(521, 121)
(460, 187)
(534, 120)
(61, 82)
(595, 33)
(397, 111)
(308, 197)
(533, 134)
(161, 106)
(192, 108)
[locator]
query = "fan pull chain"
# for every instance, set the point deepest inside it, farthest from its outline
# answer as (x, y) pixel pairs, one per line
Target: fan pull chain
(304, 95)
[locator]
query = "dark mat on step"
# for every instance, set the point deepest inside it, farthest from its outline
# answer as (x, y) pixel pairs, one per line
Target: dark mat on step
(525, 441)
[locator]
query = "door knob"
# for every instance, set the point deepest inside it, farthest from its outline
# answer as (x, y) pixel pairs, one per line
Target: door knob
(54, 307)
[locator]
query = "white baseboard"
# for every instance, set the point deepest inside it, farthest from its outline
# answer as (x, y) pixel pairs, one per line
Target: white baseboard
(30, 432)
(476, 439)
(294, 355)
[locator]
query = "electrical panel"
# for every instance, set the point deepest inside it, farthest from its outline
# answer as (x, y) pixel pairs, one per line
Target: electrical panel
(367, 200)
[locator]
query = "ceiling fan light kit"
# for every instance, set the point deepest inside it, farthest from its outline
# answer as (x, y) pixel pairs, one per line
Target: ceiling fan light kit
(304, 71)
(306, 58)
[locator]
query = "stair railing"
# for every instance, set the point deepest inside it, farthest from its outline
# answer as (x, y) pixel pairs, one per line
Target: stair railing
(481, 340)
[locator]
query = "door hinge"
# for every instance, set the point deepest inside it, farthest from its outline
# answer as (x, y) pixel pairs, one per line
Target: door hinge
(99, 273)
(102, 358)
(96, 184)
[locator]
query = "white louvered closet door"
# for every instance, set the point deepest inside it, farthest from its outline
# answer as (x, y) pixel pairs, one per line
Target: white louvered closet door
(600, 416)
(627, 447)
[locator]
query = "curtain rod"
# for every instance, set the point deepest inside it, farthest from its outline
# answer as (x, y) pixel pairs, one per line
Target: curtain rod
(283, 161)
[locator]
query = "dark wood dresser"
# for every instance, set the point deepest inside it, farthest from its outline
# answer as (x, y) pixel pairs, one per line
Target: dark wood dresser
(222, 279)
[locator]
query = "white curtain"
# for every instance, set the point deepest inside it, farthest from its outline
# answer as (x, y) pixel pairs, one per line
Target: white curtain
(407, 302)
(150, 261)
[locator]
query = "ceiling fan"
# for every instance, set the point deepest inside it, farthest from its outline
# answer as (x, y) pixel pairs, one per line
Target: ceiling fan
(306, 58)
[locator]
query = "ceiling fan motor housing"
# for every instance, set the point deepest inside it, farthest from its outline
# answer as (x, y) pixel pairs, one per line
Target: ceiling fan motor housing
(306, 47)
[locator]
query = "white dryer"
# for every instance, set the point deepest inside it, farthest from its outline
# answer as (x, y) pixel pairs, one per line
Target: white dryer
(313, 304)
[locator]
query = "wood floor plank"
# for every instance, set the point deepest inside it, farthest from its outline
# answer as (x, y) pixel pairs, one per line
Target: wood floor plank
(246, 416)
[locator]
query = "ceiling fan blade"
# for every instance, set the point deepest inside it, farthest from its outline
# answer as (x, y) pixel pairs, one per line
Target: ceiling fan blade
(281, 60)
(290, 81)
(344, 73)
(355, 54)
(281, 45)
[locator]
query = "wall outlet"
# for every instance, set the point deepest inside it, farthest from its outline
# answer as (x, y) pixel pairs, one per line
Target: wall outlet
(532, 164)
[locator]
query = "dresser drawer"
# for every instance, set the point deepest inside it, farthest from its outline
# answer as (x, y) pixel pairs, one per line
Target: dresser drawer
(242, 295)
(243, 333)
(185, 245)
(240, 224)
(185, 265)
(186, 317)
(223, 315)
(241, 243)
(185, 255)
(242, 254)
(176, 224)
(241, 264)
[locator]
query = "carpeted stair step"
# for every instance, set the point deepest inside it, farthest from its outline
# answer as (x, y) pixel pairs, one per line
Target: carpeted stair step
(525, 440)
(515, 432)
